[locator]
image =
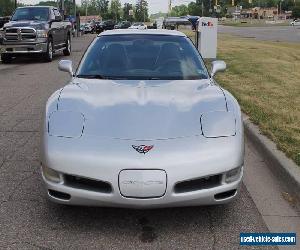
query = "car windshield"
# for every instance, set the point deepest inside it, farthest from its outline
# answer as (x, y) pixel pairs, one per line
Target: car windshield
(137, 24)
(39, 14)
(142, 57)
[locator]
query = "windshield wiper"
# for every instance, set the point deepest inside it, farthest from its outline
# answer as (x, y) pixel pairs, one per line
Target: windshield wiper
(91, 76)
(103, 77)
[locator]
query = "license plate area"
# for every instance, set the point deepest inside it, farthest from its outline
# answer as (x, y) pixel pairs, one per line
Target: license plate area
(142, 184)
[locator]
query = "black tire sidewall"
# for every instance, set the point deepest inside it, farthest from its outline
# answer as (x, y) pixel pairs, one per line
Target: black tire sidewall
(6, 58)
(47, 57)
(67, 51)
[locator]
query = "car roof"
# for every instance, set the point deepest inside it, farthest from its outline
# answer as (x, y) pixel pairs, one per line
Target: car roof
(142, 32)
(33, 6)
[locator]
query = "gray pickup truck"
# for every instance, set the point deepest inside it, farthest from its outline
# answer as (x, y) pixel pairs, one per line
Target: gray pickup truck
(35, 30)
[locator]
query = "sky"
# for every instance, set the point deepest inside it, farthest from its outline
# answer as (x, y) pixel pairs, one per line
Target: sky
(154, 5)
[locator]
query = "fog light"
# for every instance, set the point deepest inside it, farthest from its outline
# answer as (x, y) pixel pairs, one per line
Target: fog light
(233, 175)
(50, 174)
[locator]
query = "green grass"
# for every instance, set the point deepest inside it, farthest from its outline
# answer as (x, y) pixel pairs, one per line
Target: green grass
(265, 78)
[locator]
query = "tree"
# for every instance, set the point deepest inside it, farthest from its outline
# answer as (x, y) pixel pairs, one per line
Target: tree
(102, 7)
(47, 3)
(181, 10)
(141, 11)
(115, 9)
(296, 12)
(127, 7)
(288, 5)
(6, 7)
(194, 9)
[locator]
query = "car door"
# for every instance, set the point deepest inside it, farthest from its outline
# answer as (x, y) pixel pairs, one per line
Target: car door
(58, 36)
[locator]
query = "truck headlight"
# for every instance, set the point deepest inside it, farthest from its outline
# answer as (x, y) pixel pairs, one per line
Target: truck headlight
(50, 174)
(42, 33)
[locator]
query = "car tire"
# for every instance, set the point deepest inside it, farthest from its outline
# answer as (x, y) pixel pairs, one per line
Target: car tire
(6, 58)
(48, 56)
(67, 50)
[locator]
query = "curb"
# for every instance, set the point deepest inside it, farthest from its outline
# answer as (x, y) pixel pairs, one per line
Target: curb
(282, 166)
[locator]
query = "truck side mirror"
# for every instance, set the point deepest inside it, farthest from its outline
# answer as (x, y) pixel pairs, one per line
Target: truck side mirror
(57, 19)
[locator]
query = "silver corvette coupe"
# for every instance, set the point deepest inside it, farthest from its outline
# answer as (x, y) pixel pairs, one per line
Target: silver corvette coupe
(142, 124)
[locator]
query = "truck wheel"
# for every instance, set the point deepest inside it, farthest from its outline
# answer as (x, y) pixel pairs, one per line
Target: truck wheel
(67, 50)
(6, 58)
(48, 56)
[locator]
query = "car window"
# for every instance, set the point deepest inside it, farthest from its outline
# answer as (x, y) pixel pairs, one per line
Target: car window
(30, 13)
(140, 56)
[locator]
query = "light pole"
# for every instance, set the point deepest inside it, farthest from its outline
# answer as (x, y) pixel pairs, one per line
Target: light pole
(280, 7)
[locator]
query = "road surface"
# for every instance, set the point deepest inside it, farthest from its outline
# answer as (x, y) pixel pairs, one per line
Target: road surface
(273, 33)
(29, 221)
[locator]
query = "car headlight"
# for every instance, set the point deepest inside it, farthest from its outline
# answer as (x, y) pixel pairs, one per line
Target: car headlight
(42, 33)
(233, 175)
(218, 124)
(51, 175)
(66, 124)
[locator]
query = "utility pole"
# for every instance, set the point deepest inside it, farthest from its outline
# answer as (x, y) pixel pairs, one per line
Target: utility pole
(280, 7)
(86, 9)
(74, 5)
(170, 6)
(16, 4)
(62, 8)
(75, 17)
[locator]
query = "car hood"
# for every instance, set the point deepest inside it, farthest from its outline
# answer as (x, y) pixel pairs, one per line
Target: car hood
(32, 24)
(142, 110)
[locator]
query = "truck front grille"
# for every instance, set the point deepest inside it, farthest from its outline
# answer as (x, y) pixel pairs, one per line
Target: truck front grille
(20, 34)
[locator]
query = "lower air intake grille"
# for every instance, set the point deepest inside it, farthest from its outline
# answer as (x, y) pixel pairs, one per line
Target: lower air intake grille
(87, 184)
(198, 184)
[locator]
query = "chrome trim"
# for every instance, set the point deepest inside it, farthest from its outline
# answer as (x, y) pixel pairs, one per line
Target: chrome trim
(23, 49)
(18, 35)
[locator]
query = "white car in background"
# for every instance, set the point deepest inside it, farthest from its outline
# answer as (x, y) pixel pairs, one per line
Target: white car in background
(138, 26)
(295, 23)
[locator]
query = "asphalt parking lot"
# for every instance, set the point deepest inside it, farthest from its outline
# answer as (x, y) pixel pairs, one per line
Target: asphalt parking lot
(29, 221)
(273, 33)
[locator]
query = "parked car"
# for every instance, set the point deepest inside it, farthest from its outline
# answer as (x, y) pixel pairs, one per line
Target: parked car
(152, 26)
(139, 26)
(105, 25)
(88, 28)
(142, 124)
(123, 25)
(35, 30)
(295, 23)
(81, 28)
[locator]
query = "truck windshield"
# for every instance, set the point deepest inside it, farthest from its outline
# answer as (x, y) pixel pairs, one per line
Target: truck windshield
(142, 57)
(31, 13)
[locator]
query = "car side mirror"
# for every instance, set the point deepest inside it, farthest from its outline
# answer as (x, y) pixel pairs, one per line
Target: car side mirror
(217, 66)
(66, 66)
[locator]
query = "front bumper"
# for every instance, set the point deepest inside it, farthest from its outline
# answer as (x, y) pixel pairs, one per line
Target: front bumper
(182, 160)
(30, 48)
(222, 194)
